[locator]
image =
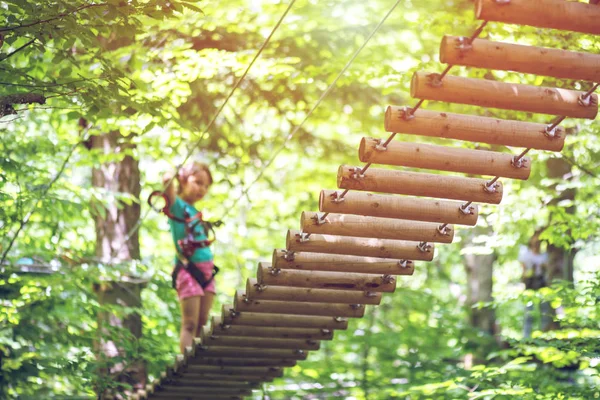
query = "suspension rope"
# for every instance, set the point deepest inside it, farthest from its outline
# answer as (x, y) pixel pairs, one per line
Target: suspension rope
(319, 101)
(210, 124)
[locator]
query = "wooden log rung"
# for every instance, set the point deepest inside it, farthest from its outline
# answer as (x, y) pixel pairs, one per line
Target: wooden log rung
(372, 227)
(233, 351)
(508, 96)
(231, 316)
(220, 328)
(444, 158)
(400, 207)
(168, 396)
(242, 362)
(305, 261)
(419, 184)
(186, 382)
(231, 371)
(191, 391)
(557, 63)
(325, 280)
(209, 339)
(473, 128)
(357, 246)
(243, 303)
(554, 14)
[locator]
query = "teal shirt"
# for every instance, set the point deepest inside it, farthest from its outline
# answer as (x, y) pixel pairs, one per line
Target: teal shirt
(178, 230)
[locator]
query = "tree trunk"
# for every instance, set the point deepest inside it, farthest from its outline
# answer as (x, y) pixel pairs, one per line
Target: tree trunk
(117, 345)
(560, 264)
(480, 272)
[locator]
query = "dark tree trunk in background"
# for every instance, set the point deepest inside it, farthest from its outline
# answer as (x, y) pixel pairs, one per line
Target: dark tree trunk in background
(561, 260)
(118, 334)
(480, 282)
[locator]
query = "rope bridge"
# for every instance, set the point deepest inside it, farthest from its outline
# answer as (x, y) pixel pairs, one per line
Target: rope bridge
(348, 254)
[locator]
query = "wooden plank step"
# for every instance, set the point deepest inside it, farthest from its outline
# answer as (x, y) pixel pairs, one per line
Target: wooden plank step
(356, 246)
(220, 328)
(443, 158)
(508, 96)
(555, 14)
(474, 128)
(285, 293)
(419, 184)
(266, 275)
(243, 303)
(231, 317)
(400, 207)
(373, 227)
(306, 261)
(557, 63)
(209, 339)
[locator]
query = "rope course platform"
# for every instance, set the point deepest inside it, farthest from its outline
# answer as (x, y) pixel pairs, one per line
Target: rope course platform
(359, 243)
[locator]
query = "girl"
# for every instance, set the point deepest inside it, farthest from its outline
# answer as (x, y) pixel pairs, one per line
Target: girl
(194, 180)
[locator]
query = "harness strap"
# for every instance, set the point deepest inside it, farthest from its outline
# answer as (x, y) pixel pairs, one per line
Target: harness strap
(189, 266)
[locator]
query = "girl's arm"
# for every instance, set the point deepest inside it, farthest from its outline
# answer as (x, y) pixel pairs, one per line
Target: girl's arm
(168, 181)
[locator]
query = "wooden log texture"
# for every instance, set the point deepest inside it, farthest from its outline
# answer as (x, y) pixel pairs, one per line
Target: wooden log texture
(246, 352)
(443, 158)
(187, 382)
(507, 96)
(209, 339)
(221, 329)
(386, 206)
(474, 128)
(554, 14)
(305, 261)
(419, 184)
(192, 391)
(281, 320)
(357, 246)
(242, 362)
(372, 227)
(325, 280)
(191, 396)
(246, 371)
(544, 61)
(243, 303)
(249, 379)
(285, 293)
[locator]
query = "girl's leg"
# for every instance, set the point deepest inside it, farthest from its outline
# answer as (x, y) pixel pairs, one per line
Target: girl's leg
(190, 311)
(205, 306)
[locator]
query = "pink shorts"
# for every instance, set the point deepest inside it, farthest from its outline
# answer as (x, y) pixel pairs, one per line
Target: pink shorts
(187, 286)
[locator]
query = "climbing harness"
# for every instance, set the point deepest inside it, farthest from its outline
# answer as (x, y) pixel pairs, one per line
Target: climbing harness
(188, 244)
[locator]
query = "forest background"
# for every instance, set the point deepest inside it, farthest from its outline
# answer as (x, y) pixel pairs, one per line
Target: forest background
(98, 99)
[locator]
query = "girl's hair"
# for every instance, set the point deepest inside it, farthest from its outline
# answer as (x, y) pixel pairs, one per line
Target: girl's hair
(190, 169)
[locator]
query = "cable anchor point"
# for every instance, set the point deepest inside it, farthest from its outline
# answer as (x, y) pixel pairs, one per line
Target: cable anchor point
(288, 255)
(463, 44)
(553, 132)
(434, 80)
(320, 219)
(444, 230)
(406, 113)
(302, 237)
(358, 174)
(336, 197)
(424, 247)
(467, 209)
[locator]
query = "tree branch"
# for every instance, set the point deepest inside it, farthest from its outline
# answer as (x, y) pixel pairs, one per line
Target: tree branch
(6, 102)
(584, 169)
(17, 50)
(59, 16)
